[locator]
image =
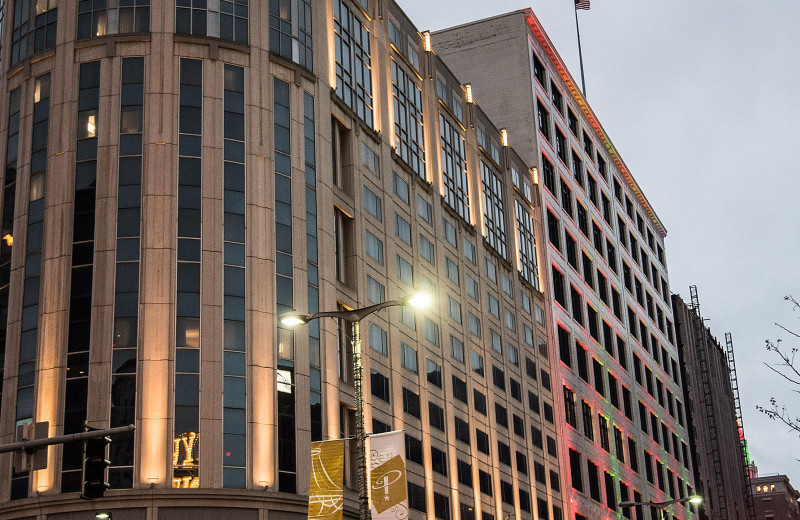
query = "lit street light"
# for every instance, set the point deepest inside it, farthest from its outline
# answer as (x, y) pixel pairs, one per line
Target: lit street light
(693, 499)
(355, 316)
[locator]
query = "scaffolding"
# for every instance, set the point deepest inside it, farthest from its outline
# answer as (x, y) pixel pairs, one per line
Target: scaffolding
(747, 492)
(720, 504)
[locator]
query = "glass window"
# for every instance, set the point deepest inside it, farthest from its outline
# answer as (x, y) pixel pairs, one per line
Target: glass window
(454, 169)
(402, 228)
(408, 357)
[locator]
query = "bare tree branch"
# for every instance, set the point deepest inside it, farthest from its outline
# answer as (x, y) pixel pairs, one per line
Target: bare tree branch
(787, 369)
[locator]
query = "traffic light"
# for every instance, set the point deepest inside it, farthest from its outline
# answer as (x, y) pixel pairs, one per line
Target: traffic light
(94, 467)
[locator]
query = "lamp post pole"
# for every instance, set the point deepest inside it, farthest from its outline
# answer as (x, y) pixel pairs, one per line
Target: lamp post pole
(354, 317)
(361, 431)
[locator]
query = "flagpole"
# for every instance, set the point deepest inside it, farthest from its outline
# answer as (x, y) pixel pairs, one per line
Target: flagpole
(580, 52)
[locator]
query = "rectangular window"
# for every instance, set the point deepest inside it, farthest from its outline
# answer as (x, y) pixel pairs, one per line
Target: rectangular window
(480, 401)
(436, 416)
(373, 204)
(611, 492)
(229, 21)
(439, 465)
(564, 346)
(633, 455)
(603, 430)
(454, 169)
(457, 349)
(97, 19)
(526, 246)
(476, 362)
(561, 145)
(379, 385)
(373, 246)
(402, 229)
(376, 292)
(411, 403)
(493, 210)
(566, 197)
(575, 470)
(378, 340)
(460, 389)
(588, 423)
(594, 480)
(424, 209)
(353, 61)
(559, 290)
(408, 357)
(482, 441)
(400, 187)
(427, 250)
(570, 413)
(408, 131)
(33, 29)
(553, 230)
(434, 373)
(543, 119)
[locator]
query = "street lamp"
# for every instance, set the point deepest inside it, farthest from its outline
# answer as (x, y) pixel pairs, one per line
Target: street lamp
(355, 316)
(692, 499)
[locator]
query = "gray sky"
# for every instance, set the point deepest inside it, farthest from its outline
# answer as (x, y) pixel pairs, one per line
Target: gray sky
(700, 99)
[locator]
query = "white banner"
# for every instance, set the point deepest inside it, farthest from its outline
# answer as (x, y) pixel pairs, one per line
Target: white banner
(388, 490)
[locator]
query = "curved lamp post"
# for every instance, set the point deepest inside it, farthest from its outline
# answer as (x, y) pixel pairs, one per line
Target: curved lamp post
(692, 499)
(355, 316)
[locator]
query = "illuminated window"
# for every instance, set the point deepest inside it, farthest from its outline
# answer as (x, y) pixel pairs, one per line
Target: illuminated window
(34, 28)
(354, 66)
(454, 169)
(526, 245)
(96, 18)
(493, 210)
(408, 130)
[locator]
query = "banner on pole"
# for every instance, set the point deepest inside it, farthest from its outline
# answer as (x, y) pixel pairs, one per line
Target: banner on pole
(325, 497)
(388, 490)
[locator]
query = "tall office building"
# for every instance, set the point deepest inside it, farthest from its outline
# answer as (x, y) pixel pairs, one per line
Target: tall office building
(623, 436)
(714, 413)
(179, 174)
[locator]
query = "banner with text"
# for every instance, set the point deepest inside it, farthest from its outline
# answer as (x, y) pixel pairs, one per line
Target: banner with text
(325, 497)
(388, 490)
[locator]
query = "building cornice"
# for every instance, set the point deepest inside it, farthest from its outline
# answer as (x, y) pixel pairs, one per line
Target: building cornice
(577, 95)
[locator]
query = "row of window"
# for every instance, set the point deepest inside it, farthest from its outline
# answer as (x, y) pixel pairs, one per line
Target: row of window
(656, 472)
(290, 24)
(441, 503)
(355, 90)
(656, 429)
(566, 113)
(595, 237)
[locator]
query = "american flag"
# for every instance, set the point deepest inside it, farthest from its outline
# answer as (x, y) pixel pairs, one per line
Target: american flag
(582, 4)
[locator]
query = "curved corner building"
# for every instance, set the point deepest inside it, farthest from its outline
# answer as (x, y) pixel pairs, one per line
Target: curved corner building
(178, 174)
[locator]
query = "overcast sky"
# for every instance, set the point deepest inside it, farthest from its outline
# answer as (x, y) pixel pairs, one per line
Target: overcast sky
(701, 100)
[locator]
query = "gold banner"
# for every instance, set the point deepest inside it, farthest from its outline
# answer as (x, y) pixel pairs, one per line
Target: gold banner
(387, 476)
(325, 498)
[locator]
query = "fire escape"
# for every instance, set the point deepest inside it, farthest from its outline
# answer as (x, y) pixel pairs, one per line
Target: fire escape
(747, 492)
(720, 504)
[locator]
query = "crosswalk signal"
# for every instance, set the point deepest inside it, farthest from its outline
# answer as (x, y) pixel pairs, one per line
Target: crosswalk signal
(95, 464)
